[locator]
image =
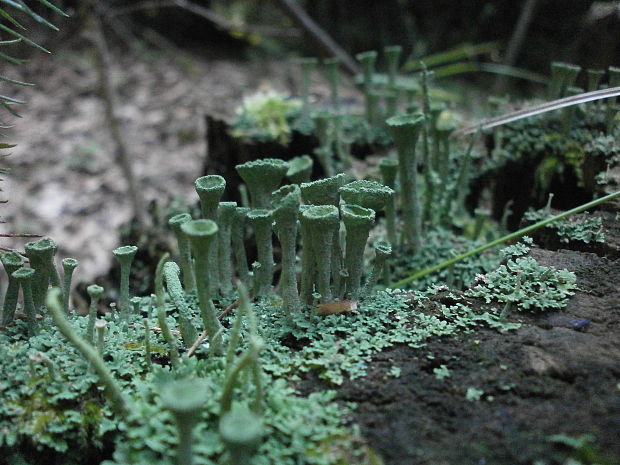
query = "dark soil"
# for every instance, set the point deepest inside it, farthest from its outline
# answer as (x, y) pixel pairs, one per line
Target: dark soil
(557, 374)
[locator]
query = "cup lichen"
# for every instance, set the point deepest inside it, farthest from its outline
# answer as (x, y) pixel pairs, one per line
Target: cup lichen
(287, 201)
(405, 130)
(358, 222)
(185, 254)
(68, 266)
(323, 222)
(261, 221)
(262, 177)
(201, 235)
(12, 262)
(25, 278)
(125, 256)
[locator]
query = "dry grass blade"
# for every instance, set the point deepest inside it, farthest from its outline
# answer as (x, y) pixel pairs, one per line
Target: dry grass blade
(539, 109)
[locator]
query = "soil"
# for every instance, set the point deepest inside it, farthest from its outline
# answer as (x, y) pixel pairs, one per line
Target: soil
(558, 374)
(64, 181)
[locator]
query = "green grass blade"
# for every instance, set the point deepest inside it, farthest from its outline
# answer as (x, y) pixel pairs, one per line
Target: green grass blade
(10, 59)
(540, 109)
(4, 98)
(509, 237)
(492, 68)
(461, 52)
(10, 42)
(10, 31)
(7, 107)
(53, 7)
(6, 15)
(15, 81)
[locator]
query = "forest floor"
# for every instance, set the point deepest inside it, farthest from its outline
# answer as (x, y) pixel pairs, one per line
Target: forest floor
(542, 394)
(558, 374)
(64, 181)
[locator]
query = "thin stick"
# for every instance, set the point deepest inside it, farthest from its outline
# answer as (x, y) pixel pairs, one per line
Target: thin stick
(506, 238)
(539, 109)
(204, 334)
(322, 38)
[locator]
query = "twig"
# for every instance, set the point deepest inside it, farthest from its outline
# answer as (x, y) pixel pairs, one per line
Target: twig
(516, 41)
(206, 13)
(108, 93)
(539, 109)
(204, 334)
(20, 235)
(321, 37)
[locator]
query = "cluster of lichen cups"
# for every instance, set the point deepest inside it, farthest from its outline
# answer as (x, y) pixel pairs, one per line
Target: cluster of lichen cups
(314, 210)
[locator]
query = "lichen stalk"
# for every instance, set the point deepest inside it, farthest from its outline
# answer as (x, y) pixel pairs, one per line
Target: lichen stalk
(226, 212)
(175, 290)
(175, 359)
(241, 431)
(287, 201)
(323, 221)
(41, 255)
(238, 244)
(147, 343)
(68, 266)
(94, 292)
(308, 271)
(358, 222)
(185, 254)
(368, 60)
(405, 130)
(100, 326)
(308, 65)
(125, 256)
(210, 189)
(383, 250)
(185, 399)
(325, 192)
(392, 57)
(201, 234)
(388, 167)
(261, 221)
(332, 66)
(90, 354)
(25, 277)
(12, 262)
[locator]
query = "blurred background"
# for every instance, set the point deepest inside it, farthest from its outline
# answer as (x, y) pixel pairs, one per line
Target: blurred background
(115, 123)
